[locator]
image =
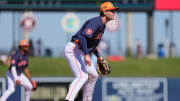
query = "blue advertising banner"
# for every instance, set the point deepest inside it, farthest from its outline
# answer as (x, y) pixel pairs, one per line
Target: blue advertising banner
(106, 89)
(173, 89)
(134, 89)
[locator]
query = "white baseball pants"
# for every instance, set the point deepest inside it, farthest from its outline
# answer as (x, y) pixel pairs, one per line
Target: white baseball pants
(11, 86)
(84, 75)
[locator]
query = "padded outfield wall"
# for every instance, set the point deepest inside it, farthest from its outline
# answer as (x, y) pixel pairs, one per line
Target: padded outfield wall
(106, 89)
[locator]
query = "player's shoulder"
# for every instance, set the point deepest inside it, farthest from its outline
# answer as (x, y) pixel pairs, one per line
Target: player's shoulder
(95, 18)
(16, 54)
(94, 21)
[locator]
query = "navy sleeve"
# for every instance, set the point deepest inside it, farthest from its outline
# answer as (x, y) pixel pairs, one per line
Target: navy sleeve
(14, 60)
(87, 32)
(83, 44)
(96, 52)
(89, 29)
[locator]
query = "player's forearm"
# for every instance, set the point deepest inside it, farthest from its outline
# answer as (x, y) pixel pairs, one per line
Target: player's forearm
(14, 72)
(29, 76)
(96, 53)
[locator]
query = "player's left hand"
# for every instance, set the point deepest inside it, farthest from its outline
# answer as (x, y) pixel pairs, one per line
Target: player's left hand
(34, 85)
(103, 67)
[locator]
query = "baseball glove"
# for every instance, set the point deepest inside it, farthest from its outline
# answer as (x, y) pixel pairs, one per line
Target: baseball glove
(34, 85)
(103, 67)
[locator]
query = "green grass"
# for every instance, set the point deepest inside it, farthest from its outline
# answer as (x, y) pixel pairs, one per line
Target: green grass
(128, 68)
(147, 68)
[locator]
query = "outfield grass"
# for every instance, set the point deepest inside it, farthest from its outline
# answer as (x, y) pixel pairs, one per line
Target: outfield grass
(128, 68)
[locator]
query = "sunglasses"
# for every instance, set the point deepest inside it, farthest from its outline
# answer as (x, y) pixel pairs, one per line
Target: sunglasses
(111, 11)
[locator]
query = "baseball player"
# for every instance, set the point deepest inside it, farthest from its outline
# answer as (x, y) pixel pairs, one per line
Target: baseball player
(15, 76)
(77, 52)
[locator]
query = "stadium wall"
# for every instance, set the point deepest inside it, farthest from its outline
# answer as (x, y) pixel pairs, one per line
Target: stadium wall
(106, 89)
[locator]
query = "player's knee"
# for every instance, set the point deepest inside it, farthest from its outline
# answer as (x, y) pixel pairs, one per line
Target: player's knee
(30, 87)
(82, 77)
(94, 75)
(94, 78)
(85, 76)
